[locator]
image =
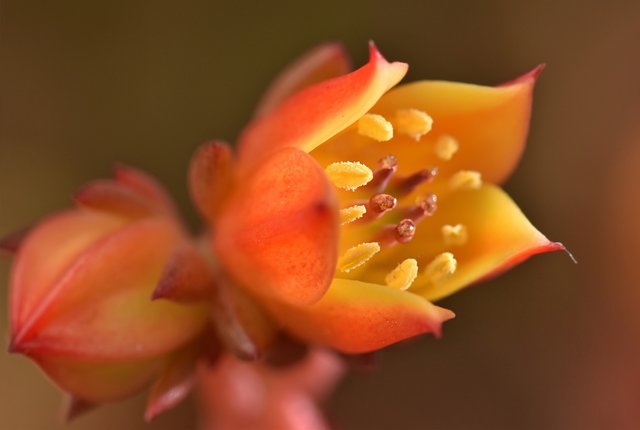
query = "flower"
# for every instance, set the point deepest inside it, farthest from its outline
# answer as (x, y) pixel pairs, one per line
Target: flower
(80, 288)
(347, 209)
(236, 395)
(327, 214)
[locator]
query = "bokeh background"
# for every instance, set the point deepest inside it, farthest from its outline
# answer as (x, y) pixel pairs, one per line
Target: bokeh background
(549, 345)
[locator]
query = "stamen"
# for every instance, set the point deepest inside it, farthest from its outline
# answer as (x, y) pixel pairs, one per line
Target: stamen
(405, 230)
(454, 235)
(378, 205)
(407, 185)
(358, 255)
(376, 127)
(446, 146)
(440, 268)
(425, 206)
(348, 175)
(403, 275)
(352, 213)
(387, 166)
(402, 232)
(413, 122)
(466, 180)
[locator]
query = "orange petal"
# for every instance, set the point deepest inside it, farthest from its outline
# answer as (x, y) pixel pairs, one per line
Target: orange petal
(210, 177)
(315, 114)
(98, 382)
(145, 185)
(356, 317)
(48, 251)
(175, 382)
(323, 62)
(278, 233)
(490, 125)
(114, 318)
(112, 197)
(498, 236)
(186, 277)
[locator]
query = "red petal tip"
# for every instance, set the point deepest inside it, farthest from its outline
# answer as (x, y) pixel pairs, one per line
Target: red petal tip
(77, 407)
(443, 316)
(531, 75)
(11, 243)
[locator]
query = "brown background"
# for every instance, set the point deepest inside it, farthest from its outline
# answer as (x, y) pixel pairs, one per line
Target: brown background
(549, 345)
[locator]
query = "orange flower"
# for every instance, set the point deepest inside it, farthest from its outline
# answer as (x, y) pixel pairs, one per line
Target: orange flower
(80, 292)
(348, 208)
(327, 216)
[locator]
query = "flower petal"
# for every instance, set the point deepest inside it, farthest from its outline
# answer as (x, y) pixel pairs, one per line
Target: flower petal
(490, 125)
(498, 237)
(145, 185)
(210, 177)
(112, 197)
(114, 319)
(174, 383)
(278, 233)
(315, 114)
(356, 317)
(47, 252)
(323, 62)
(98, 382)
(186, 277)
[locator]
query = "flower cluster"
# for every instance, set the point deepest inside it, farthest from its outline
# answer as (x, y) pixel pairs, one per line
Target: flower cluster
(346, 210)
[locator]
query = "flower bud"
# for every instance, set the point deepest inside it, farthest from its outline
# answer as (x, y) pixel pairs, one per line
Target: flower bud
(81, 286)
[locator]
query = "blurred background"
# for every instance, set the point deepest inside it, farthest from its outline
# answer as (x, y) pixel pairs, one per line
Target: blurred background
(549, 345)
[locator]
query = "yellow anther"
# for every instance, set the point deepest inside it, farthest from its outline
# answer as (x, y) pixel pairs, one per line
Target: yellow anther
(446, 146)
(376, 127)
(440, 268)
(454, 235)
(352, 213)
(357, 256)
(466, 180)
(413, 123)
(348, 175)
(403, 275)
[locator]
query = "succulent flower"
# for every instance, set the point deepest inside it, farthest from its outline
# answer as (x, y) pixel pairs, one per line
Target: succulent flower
(346, 210)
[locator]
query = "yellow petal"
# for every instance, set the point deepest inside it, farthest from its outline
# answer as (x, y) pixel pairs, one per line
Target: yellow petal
(489, 124)
(499, 236)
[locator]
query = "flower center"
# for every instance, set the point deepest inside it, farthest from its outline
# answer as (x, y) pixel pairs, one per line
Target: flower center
(390, 193)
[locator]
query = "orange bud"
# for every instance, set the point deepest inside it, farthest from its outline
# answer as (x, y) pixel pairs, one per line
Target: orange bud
(81, 285)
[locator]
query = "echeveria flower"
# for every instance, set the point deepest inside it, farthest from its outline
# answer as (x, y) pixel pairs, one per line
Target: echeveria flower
(327, 215)
(346, 210)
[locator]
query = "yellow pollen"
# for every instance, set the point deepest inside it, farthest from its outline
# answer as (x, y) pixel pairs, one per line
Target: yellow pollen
(440, 268)
(358, 255)
(352, 213)
(446, 146)
(348, 175)
(466, 180)
(454, 235)
(403, 275)
(376, 127)
(413, 122)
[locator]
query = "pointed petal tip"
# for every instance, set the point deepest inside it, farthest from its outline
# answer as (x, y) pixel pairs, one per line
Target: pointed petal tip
(443, 315)
(529, 77)
(13, 347)
(10, 243)
(77, 407)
